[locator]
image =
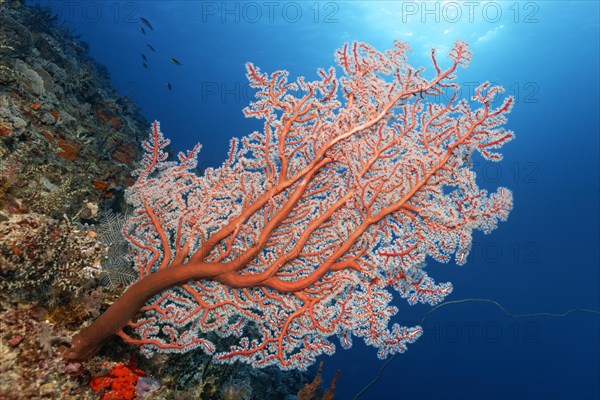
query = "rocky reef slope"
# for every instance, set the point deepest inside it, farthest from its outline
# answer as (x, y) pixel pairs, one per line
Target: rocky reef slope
(68, 144)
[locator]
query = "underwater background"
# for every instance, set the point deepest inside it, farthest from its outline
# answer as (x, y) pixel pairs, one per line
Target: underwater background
(544, 259)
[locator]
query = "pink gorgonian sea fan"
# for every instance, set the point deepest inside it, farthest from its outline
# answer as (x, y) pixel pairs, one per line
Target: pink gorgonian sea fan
(308, 227)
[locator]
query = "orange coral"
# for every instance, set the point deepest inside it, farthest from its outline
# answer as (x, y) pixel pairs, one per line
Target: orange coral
(4, 131)
(310, 389)
(124, 153)
(16, 249)
(100, 185)
(116, 123)
(118, 384)
(36, 106)
(107, 115)
(48, 136)
(68, 149)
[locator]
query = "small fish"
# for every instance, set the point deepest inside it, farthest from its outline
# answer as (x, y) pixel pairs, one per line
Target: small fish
(146, 22)
(145, 65)
(144, 57)
(175, 61)
(169, 86)
(142, 30)
(76, 37)
(151, 48)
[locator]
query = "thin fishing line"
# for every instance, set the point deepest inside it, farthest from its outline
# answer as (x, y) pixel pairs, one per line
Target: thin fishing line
(473, 300)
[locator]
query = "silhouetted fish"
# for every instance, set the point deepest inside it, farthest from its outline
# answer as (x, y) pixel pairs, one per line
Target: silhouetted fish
(144, 57)
(175, 61)
(142, 30)
(169, 86)
(145, 65)
(146, 22)
(151, 48)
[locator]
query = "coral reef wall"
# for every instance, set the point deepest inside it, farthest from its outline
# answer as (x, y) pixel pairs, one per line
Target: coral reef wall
(67, 139)
(68, 142)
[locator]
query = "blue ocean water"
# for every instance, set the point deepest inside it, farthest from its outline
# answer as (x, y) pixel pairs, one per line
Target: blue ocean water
(544, 259)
